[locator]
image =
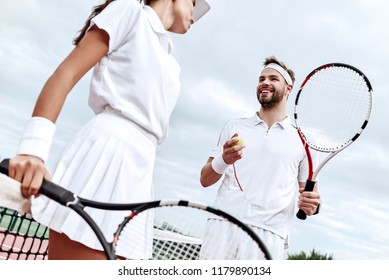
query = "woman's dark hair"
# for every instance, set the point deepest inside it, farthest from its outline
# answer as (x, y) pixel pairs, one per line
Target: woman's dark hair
(95, 11)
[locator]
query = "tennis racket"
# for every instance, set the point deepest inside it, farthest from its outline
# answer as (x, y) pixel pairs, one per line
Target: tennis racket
(182, 229)
(332, 108)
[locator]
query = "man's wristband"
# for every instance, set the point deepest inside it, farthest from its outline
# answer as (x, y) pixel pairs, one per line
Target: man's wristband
(218, 164)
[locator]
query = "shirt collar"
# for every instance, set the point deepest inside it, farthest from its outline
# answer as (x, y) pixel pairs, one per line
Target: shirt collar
(157, 26)
(284, 123)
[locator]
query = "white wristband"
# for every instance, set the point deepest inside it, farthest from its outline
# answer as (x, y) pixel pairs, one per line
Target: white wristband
(37, 138)
(218, 164)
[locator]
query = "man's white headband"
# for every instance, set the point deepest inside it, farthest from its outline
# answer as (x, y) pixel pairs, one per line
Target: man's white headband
(282, 71)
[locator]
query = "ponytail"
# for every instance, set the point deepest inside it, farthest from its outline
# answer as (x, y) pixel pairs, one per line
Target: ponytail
(96, 10)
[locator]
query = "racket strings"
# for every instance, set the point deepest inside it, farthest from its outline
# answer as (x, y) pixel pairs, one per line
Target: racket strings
(332, 107)
(186, 233)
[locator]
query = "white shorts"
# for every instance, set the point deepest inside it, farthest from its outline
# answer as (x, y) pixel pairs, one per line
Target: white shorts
(111, 159)
(231, 238)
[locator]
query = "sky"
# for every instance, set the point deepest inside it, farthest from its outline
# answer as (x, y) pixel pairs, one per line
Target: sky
(221, 57)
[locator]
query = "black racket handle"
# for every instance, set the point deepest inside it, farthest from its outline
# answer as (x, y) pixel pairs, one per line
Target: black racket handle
(49, 189)
(56, 193)
(4, 166)
(309, 185)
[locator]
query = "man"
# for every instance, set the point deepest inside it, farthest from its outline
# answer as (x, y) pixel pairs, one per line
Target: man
(261, 175)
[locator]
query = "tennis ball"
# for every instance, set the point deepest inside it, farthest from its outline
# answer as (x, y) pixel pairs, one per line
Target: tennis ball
(240, 141)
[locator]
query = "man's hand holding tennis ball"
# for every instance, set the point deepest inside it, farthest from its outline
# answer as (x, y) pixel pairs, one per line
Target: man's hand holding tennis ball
(233, 149)
(239, 140)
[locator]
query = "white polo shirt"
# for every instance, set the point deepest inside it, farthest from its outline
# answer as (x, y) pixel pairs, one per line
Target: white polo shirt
(260, 189)
(138, 77)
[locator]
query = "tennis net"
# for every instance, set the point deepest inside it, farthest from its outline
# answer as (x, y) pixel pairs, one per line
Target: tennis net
(21, 238)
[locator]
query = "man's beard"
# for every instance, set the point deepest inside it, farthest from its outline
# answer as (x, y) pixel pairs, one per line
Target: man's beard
(272, 102)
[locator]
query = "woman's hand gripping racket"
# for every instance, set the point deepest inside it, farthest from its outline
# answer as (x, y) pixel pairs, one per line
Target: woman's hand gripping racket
(179, 227)
(332, 108)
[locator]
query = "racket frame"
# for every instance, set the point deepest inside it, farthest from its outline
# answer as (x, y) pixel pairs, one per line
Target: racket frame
(313, 173)
(77, 204)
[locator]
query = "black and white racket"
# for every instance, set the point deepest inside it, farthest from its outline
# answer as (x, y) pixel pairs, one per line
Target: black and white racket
(332, 108)
(181, 228)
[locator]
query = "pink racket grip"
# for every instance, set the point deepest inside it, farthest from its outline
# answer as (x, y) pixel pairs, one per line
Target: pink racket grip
(309, 185)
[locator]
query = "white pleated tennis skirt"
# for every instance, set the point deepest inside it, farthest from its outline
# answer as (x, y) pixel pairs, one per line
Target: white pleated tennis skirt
(111, 160)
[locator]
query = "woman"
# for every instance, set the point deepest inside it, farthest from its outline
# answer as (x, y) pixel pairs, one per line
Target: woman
(134, 87)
